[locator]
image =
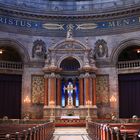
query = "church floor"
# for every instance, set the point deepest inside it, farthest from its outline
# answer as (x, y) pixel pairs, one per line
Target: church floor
(70, 133)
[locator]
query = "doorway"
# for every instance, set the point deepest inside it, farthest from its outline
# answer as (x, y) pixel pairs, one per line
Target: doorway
(129, 95)
(10, 96)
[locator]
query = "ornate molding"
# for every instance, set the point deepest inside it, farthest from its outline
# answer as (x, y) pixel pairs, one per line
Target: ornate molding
(108, 14)
(52, 75)
(101, 23)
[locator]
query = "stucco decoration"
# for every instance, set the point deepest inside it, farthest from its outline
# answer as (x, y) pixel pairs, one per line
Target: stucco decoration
(91, 57)
(102, 89)
(70, 31)
(38, 89)
(101, 49)
(39, 49)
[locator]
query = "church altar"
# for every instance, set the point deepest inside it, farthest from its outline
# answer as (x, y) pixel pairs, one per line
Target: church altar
(63, 113)
(70, 117)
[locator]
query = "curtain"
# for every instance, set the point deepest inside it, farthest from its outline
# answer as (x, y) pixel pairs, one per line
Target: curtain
(129, 95)
(10, 96)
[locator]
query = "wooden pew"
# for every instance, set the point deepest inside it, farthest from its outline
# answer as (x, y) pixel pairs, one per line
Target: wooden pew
(27, 131)
(113, 131)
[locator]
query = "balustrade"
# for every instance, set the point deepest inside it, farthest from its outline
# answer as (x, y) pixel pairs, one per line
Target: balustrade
(11, 65)
(128, 64)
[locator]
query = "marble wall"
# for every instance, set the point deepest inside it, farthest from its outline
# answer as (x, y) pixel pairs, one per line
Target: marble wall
(107, 73)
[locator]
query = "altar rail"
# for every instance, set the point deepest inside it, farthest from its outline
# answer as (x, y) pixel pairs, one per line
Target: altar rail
(113, 131)
(128, 64)
(11, 65)
(70, 122)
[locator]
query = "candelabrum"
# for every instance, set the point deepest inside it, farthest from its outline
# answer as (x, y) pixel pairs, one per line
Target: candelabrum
(27, 102)
(88, 103)
(113, 101)
(52, 111)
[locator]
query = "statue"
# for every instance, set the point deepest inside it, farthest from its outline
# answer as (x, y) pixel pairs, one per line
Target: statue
(69, 31)
(91, 57)
(48, 58)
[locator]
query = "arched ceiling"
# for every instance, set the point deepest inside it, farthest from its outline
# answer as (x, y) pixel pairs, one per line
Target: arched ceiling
(65, 6)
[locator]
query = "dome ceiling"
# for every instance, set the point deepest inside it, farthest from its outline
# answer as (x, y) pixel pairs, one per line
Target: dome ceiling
(93, 6)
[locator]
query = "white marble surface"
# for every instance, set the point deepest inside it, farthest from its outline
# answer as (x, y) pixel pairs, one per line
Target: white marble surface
(70, 117)
(70, 133)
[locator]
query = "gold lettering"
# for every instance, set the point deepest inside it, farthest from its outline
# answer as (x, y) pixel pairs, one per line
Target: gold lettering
(29, 24)
(10, 21)
(1, 20)
(126, 21)
(118, 23)
(5, 20)
(16, 22)
(139, 19)
(111, 24)
(22, 23)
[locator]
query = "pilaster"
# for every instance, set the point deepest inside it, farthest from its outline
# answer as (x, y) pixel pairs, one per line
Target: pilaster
(58, 94)
(81, 89)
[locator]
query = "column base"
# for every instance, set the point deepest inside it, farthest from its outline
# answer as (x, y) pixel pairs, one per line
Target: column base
(95, 111)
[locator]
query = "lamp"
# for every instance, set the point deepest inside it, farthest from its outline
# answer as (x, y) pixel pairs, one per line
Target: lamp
(113, 99)
(27, 100)
(1, 51)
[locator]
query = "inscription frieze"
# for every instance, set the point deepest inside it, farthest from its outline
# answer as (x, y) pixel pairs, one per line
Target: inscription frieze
(39, 24)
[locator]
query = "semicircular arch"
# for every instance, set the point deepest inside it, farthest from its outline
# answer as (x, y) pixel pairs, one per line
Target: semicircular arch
(18, 47)
(68, 42)
(67, 56)
(123, 45)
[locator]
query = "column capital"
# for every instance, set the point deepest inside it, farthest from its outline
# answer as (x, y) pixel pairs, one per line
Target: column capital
(51, 75)
(58, 76)
(93, 75)
(81, 76)
(86, 75)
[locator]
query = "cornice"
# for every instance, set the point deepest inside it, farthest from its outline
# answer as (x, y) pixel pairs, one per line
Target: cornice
(71, 15)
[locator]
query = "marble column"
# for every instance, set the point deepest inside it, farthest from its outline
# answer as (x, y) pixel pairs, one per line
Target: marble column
(58, 94)
(81, 89)
(94, 91)
(52, 89)
(87, 87)
(46, 92)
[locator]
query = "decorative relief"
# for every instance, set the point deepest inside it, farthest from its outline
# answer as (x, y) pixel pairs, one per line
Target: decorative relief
(48, 58)
(86, 26)
(53, 26)
(102, 89)
(101, 49)
(39, 49)
(69, 46)
(91, 57)
(38, 89)
(70, 31)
